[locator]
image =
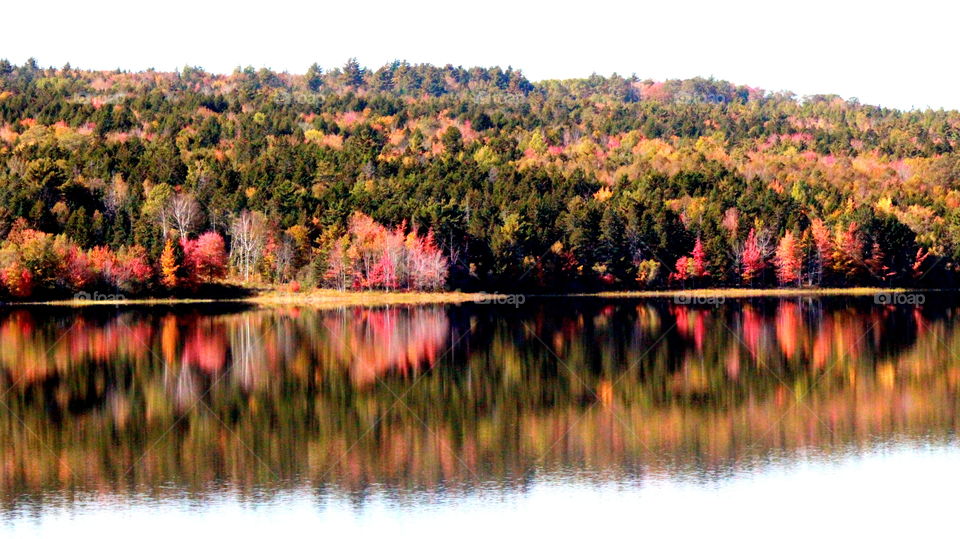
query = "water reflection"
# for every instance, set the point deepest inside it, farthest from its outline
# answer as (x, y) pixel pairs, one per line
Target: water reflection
(415, 403)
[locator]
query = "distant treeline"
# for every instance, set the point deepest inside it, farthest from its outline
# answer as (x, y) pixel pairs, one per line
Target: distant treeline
(423, 177)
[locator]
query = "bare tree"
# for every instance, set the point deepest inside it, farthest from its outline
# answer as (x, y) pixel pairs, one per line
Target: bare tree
(339, 270)
(116, 195)
(284, 257)
(766, 244)
(247, 240)
(185, 212)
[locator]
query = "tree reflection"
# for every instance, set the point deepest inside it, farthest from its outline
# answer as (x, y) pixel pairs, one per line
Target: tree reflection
(412, 398)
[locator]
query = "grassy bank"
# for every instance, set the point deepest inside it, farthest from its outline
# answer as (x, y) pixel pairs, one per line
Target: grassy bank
(274, 296)
(752, 292)
(323, 297)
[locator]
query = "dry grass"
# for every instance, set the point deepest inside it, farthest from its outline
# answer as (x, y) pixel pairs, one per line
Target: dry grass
(751, 292)
(268, 296)
(324, 297)
(141, 301)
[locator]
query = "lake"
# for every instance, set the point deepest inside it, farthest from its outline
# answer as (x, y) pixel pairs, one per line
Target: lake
(772, 416)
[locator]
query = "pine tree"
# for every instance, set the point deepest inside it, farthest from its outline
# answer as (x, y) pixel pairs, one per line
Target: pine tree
(97, 228)
(352, 73)
(120, 230)
(78, 227)
(611, 250)
(452, 140)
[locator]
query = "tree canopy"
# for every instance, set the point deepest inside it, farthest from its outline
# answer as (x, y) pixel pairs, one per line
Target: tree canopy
(602, 182)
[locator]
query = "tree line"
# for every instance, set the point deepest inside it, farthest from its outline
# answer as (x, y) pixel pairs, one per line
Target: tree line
(428, 177)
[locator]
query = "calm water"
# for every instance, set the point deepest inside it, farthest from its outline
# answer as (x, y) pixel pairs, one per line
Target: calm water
(575, 417)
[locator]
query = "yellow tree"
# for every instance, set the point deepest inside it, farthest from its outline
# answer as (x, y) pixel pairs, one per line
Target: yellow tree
(168, 266)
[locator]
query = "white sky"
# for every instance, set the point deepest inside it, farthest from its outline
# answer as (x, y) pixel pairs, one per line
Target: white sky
(899, 54)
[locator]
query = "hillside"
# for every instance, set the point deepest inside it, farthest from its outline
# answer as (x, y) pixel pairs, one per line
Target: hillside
(423, 177)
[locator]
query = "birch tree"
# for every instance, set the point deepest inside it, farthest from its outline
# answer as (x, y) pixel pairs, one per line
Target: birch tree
(185, 213)
(248, 233)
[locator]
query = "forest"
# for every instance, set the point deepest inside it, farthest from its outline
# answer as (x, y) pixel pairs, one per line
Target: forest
(421, 177)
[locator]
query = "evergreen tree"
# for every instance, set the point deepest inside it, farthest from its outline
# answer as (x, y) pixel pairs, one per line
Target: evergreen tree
(78, 228)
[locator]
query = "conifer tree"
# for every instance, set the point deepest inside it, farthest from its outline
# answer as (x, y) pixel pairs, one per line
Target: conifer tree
(168, 266)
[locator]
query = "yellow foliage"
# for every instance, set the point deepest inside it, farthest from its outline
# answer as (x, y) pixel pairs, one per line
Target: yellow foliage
(884, 205)
(300, 235)
(603, 194)
(586, 148)
(485, 157)
(168, 266)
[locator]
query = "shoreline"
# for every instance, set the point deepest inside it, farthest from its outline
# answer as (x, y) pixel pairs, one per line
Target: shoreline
(763, 292)
(336, 298)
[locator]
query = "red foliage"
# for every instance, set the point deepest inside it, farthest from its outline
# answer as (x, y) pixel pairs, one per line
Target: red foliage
(694, 265)
(205, 346)
(788, 259)
(682, 272)
(821, 238)
(18, 280)
(848, 251)
(699, 260)
(73, 267)
(752, 258)
(375, 257)
(384, 274)
(101, 260)
(132, 271)
(204, 259)
(128, 270)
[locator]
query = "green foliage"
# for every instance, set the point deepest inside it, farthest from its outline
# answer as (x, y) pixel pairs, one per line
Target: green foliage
(598, 182)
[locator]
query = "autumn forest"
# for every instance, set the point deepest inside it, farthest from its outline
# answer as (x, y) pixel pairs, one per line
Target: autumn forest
(419, 177)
